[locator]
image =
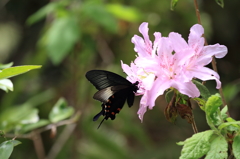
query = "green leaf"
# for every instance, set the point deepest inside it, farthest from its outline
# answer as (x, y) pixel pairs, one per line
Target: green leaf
(204, 92)
(15, 117)
(201, 102)
(3, 66)
(196, 146)
(218, 149)
(92, 8)
(31, 117)
(17, 70)
(180, 143)
(212, 110)
(126, 13)
(29, 127)
(173, 4)
(15, 142)
(61, 37)
(234, 124)
(220, 2)
(236, 146)
(6, 149)
(6, 85)
(60, 111)
(169, 95)
(42, 13)
(224, 113)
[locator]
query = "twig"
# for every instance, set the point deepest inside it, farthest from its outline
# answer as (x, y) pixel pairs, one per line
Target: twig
(38, 145)
(60, 141)
(48, 127)
(214, 65)
(194, 126)
(35, 136)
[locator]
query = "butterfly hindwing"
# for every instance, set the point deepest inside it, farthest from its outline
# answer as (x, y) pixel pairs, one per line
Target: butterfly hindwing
(105, 93)
(115, 103)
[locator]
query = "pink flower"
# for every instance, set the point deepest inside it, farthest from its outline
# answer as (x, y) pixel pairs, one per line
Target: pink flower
(171, 63)
(200, 55)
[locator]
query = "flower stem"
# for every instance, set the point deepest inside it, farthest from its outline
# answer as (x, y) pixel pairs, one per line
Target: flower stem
(194, 126)
(213, 58)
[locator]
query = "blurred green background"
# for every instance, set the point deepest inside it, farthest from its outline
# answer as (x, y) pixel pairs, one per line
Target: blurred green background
(70, 37)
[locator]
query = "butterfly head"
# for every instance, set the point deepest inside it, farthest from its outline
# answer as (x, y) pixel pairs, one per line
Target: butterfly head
(135, 86)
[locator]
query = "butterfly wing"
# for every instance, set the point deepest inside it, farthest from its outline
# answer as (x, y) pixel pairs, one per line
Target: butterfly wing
(105, 93)
(115, 103)
(114, 90)
(102, 79)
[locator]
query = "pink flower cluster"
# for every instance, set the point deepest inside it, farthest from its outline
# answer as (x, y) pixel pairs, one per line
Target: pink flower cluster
(171, 62)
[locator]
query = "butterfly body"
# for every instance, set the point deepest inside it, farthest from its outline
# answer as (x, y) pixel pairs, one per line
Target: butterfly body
(114, 91)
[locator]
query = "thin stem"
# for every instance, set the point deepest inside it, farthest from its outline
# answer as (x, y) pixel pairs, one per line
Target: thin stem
(214, 65)
(38, 145)
(197, 12)
(194, 126)
(48, 127)
(62, 139)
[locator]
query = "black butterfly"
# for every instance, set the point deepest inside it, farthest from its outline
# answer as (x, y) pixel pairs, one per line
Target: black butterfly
(114, 90)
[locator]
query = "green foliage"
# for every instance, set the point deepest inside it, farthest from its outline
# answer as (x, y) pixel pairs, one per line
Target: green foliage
(6, 85)
(236, 146)
(60, 111)
(43, 12)
(196, 146)
(173, 4)
(204, 92)
(212, 110)
(91, 8)
(61, 37)
(17, 70)
(201, 102)
(168, 95)
(32, 126)
(16, 117)
(216, 140)
(8, 71)
(220, 2)
(6, 148)
(218, 149)
(3, 66)
(126, 13)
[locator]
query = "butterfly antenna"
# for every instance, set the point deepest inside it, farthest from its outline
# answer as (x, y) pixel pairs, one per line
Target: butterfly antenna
(101, 123)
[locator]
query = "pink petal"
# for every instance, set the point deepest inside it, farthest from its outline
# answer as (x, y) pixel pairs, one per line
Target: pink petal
(178, 43)
(205, 73)
(126, 68)
(156, 43)
(158, 89)
(219, 51)
(143, 106)
(148, 81)
(147, 63)
(143, 29)
(195, 36)
(187, 88)
(139, 47)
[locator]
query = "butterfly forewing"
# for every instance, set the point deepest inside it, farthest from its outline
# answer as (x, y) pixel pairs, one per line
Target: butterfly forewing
(102, 79)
